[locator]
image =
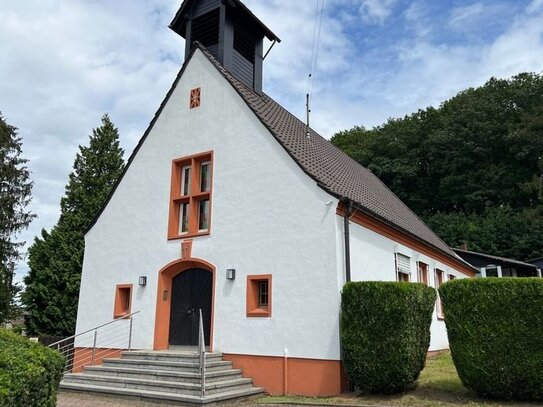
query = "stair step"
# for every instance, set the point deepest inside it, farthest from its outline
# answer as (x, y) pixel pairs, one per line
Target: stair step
(169, 356)
(185, 377)
(157, 385)
(161, 396)
(211, 366)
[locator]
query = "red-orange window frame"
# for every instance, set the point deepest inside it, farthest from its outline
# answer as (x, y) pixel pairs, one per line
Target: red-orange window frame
(422, 272)
(193, 198)
(122, 293)
(253, 307)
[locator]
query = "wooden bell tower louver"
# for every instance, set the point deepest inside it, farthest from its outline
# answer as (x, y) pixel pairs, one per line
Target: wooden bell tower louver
(230, 32)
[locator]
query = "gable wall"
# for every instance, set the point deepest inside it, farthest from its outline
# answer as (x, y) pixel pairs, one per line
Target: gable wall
(268, 217)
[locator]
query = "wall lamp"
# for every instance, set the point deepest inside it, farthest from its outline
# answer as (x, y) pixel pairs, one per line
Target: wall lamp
(142, 281)
(230, 274)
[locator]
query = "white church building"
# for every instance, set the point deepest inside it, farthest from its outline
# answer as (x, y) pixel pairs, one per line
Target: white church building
(231, 205)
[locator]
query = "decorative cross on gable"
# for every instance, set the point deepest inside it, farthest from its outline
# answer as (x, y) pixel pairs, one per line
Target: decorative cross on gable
(195, 98)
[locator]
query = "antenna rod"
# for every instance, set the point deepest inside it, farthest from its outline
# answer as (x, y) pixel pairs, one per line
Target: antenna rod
(308, 110)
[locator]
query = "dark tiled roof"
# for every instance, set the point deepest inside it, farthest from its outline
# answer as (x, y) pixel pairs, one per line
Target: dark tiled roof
(492, 257)
(331, 168)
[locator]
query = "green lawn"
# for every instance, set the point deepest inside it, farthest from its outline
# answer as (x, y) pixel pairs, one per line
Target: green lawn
(438, 385)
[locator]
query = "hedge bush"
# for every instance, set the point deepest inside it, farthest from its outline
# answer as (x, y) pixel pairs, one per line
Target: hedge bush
(29, 372)
(385, 333)
(495, 329)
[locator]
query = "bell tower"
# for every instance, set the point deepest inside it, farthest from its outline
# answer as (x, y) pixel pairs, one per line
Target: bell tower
(230, 32)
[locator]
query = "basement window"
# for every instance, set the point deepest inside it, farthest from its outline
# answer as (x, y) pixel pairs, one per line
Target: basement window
(123, 300)
(259, 295)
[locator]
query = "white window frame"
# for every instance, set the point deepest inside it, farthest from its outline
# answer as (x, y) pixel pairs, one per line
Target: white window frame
(403, 266)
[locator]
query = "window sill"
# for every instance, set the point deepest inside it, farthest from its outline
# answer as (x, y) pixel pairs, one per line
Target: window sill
(189, 235)
(124, 315)
(259, 313)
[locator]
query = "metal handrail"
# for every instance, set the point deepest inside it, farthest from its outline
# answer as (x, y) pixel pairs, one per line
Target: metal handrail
(96, 327)
(202, 355)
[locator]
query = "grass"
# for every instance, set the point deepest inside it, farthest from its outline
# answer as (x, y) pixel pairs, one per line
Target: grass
(438, 386)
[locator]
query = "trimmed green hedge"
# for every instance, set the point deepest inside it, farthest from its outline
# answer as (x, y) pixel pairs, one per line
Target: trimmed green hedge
(385, 333)
(29, 372)
(495, 329)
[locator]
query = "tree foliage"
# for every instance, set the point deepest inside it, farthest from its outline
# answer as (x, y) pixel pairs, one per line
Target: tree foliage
(472, 168)
(56, 257)
(15, 195)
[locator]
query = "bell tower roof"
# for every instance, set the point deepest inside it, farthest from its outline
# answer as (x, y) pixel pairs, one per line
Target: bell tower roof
(230, 32)
(179, 21)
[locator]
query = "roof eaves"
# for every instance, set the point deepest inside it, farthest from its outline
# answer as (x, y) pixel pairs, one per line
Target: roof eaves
(499, 258)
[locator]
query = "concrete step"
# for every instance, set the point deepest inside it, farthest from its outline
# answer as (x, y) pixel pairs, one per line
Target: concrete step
(171, 356)
(154, 396)
(192, 389)
(189, 367)
(182, 377)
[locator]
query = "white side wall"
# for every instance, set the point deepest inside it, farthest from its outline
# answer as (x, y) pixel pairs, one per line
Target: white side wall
(268, 217)
(372, 259)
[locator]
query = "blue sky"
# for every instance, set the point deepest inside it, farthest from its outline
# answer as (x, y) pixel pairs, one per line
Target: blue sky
(66, 62)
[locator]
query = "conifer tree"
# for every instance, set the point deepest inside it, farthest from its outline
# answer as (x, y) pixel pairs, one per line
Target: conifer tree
(56, 258)
(15, 195)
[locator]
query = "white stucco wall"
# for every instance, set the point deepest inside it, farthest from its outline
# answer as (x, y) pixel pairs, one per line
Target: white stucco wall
(372, 259)
(268, 217)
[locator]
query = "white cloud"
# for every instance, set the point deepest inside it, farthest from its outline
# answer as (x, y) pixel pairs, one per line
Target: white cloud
(465, 14)
(535, 6)
(376, 11)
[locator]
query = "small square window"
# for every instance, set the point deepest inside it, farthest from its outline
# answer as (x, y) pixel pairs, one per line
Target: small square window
(123, 300)
(263, 293)
(195, 95)
(259, 296)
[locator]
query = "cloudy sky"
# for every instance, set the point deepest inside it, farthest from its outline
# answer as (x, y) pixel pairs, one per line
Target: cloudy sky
(64, 63)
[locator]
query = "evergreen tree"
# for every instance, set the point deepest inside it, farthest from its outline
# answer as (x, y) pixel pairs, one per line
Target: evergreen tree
(56, 258)
(15, 195)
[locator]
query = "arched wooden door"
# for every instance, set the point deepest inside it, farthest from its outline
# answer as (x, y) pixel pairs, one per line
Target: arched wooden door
(191, 291)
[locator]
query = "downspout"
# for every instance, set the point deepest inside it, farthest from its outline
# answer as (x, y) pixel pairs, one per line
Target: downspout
(348, 212)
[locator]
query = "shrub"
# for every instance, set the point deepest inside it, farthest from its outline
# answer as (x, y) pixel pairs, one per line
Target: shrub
(29, 372)
(385, 333)
(495, 329)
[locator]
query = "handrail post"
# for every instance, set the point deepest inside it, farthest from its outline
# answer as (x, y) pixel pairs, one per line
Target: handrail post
(130, 336)
(94, 347)
(202, 352)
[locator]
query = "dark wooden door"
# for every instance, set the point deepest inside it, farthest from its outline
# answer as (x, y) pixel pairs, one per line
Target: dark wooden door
(191, 291)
